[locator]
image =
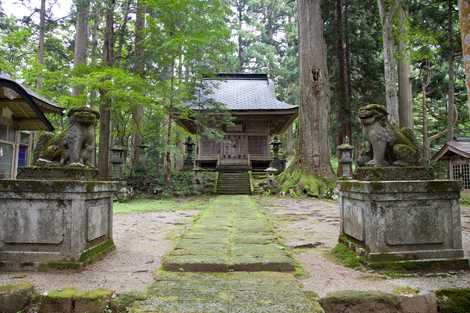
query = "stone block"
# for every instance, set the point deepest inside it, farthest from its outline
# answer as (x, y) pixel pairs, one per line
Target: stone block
(48, 224)
(15, 298)
(403, 221)
(373, 301)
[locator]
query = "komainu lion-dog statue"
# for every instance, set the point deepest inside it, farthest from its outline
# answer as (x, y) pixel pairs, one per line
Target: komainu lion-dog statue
(76, 146)
(389, 144)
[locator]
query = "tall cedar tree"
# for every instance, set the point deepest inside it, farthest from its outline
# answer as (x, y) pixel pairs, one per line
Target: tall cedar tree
(343, 112)
(81, 39)
(464, 6)
(313, 147)
(105, 103)
(42, 35)
(387, 14)
(138, 113)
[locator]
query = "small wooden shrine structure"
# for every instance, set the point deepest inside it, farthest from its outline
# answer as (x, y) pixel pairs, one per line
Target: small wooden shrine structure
(21, 113)
(257, 117)
(457, 154)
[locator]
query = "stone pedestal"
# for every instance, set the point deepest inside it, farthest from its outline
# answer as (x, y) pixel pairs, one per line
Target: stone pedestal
(46, 224)
(410, 224)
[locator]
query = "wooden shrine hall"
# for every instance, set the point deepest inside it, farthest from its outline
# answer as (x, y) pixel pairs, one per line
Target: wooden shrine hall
(257, 116)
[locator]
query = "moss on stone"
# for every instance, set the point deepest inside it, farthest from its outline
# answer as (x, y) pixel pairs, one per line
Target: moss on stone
(94, 253)
(13, 288)
(393, 173)
(406, 291)
(454, 300)
(350, 296)
(345, 256)
(75, 294)
(62, 265)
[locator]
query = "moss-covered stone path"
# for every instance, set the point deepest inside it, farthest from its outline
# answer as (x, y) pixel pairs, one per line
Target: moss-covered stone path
(231, 234)
(235, 238)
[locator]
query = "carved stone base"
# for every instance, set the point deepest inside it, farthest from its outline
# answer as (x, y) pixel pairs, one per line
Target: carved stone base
(58, 172)
(402, 221)
(54, 223)
(391, 173)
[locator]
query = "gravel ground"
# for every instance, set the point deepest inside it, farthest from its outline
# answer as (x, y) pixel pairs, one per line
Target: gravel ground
(315, 224)
(141, 240)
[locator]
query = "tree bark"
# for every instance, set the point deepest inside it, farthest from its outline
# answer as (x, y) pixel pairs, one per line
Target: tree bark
(451, 109)
(42, 35)
(81, 39)
(138, 114)
(390, 64)
(123, 28)
(464, 8)
(313, 147)
(404, 74)
(240, 39)
(105, 104)
(343, 112)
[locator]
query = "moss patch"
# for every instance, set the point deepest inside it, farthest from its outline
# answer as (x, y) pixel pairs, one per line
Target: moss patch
(406, 291)
(295, 182)
(73, 293)
(454, 300)
(94, 253)
(226, 292)
(154, 205)
(231, 234)
(345, 256)
(13, 288)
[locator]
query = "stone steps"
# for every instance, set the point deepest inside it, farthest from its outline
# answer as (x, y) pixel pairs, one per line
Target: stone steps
(233, 183)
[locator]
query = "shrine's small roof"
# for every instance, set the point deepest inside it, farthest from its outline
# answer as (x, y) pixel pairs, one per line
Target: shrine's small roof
(27, 107)
(458, 146)
(240, 92)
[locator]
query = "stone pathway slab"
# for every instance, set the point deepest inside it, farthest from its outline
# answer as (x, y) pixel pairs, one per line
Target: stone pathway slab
(262, 292)
(232, 234)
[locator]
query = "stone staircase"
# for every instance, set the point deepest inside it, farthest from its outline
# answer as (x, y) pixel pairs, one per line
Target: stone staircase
(233, 182)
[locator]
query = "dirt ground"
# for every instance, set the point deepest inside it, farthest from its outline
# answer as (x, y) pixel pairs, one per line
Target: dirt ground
(315, 224)
(141, 241)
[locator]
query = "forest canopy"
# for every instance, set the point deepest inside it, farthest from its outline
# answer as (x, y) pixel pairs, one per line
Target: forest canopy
(140, 60)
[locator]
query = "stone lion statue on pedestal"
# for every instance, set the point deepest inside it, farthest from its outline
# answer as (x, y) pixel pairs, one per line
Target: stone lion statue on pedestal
(389, 145)
(76, 146)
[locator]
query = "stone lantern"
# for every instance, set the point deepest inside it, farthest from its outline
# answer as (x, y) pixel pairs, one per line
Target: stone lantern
(276, 147)
(188, 160)
(141, 163)
(345, 163)
(118, 160)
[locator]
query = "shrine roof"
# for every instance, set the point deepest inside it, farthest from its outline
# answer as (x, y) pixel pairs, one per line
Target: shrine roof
(240, 92)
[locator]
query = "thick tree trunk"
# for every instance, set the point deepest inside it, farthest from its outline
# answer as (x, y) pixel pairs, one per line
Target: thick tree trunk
(123, 29)
(390, 64)
(138, 114)
(313, 147)
(404, 75)
(81, 39)
(343, 112)
(451, 109)
(105, 105)
(290, 138)
(240, 39)
(42, 35)
(464, 7)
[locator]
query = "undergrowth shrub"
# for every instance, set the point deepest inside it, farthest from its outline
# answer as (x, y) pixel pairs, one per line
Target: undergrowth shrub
(295, 182)
(182, 184)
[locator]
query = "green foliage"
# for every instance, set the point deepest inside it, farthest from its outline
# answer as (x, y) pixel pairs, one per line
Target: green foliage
(345, 256)
(453, 300)
(182, 184)
(295, 182)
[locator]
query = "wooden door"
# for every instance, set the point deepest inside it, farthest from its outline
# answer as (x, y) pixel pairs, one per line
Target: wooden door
(231, 147)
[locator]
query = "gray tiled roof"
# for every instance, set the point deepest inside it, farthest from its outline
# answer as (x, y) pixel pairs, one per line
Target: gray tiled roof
(241, 92)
